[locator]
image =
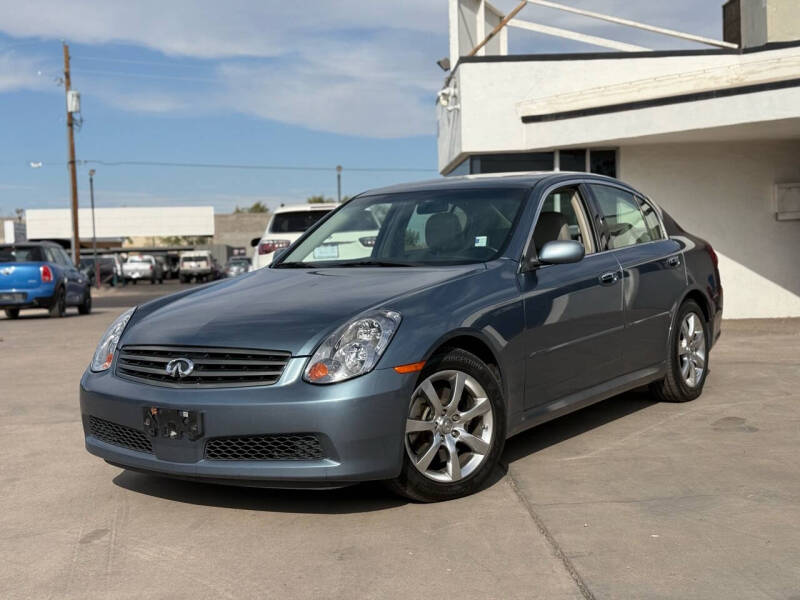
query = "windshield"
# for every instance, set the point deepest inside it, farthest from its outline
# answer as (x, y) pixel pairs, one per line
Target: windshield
(295, 222)
(21, 254)
(422, 228)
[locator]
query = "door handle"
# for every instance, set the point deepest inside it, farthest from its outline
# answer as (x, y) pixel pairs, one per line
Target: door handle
(609, 278)
(674, 261)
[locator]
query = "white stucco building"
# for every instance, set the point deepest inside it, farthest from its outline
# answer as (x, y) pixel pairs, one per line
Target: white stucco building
(712, 135)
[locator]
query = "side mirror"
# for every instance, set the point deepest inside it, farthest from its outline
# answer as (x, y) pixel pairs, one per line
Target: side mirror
(560, 252)
(255, 242)
(278, 254)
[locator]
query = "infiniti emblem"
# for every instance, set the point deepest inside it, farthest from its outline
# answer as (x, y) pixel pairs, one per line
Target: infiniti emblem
(180, 368)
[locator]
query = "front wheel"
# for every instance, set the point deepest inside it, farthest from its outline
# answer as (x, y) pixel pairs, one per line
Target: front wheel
(455, 429)
(12, 313)
(85, 307)
(687, 363)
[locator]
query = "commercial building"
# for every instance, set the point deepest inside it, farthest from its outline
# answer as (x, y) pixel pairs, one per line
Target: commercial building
(712, 134)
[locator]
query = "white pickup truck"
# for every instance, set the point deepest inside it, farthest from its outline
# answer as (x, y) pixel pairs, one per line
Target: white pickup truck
(142, 267)
(197, 265)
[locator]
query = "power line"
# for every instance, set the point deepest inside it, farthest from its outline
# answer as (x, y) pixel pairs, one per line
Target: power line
(192, 165)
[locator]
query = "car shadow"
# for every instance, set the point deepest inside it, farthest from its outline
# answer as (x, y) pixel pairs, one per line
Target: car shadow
(368, 497)
(364, 497)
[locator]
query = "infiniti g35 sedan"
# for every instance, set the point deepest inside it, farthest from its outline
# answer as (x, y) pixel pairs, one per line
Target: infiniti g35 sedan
(484, 306)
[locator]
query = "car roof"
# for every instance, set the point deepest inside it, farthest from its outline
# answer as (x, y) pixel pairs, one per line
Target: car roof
(327, 206)
(527, 179)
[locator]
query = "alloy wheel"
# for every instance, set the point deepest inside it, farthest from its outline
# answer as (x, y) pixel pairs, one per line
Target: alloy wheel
(449, 427)
(692, 350)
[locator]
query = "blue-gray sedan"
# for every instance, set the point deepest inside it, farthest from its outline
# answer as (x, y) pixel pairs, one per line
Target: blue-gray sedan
(407, 335)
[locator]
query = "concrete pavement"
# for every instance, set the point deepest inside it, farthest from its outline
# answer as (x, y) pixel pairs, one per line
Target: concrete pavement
(626, 499)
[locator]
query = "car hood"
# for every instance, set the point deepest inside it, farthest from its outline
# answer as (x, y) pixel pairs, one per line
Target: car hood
(278, 309)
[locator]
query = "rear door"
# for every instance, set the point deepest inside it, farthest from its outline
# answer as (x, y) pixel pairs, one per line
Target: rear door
(573, 312)
(654, 276)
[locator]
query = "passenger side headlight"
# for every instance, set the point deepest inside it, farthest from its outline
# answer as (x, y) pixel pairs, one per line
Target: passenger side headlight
(354, 349)
(104, 355)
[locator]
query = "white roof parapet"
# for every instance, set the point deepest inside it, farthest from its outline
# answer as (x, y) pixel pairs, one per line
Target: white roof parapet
(747, 72)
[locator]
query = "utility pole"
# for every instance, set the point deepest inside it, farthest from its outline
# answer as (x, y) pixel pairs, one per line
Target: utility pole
(94, 232)
(339, 182)
(76, 251)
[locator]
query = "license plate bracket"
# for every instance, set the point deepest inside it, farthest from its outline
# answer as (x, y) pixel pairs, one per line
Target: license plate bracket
(174, 424)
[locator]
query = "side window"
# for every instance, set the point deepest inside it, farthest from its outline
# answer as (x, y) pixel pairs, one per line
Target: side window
(623, 219)
(651, 220)
(52, 255)
(63, 258)
(563, 217)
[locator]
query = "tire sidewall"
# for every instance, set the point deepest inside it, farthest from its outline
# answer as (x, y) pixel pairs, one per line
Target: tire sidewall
(414, 483)
(688, 307)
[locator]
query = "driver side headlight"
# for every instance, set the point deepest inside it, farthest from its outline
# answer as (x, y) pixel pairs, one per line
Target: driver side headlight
(354, 349)
(104, 355)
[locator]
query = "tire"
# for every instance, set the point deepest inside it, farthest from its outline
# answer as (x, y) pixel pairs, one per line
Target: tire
(12, 313)
(59, 306)
(443, 478)
(134, 281)
(677, 385)
(85, 307)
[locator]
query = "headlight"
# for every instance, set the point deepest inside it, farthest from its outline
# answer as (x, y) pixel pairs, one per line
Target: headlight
(353, 349)
(104, 355)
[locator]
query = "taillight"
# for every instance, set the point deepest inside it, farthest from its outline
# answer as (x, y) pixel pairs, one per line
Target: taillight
(368, 241)
(46, 273)
(269, 246)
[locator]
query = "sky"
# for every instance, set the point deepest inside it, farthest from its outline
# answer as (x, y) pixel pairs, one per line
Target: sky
(310, 84)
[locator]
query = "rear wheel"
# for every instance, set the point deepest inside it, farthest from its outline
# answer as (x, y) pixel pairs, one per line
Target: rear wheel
(455, 429)
(59, 306)
(687, 363)
(85, 307)
(12, 313)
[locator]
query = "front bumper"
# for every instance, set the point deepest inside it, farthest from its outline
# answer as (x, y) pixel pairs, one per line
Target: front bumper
(359, 423)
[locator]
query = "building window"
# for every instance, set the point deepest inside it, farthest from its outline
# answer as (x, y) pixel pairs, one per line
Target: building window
(509, 163)
(603, 162)
(572, 160)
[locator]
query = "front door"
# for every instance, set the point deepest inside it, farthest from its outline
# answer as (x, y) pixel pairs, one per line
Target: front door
(573, 312)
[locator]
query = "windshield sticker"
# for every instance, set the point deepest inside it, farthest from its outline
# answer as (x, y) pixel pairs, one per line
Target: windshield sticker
(480, 241)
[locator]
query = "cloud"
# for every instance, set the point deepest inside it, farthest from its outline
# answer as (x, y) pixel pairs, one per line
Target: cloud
(20, 73)
(356, 67)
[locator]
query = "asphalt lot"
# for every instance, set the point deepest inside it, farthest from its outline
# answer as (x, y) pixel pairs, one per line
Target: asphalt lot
(626, 499)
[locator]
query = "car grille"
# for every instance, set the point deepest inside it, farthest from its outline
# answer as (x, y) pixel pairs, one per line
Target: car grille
(293, 446)
(119, 435)
(213, 367)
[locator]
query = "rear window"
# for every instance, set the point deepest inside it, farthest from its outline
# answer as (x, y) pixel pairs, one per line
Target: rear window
(195, 259)
(295, 222)
(21, 254)
(138, 259)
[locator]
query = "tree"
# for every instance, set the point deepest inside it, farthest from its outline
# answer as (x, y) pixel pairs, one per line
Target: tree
(256, 207)
(318, 199)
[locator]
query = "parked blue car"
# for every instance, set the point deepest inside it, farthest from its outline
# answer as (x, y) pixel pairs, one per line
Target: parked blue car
(41, 275)
(483, 306)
